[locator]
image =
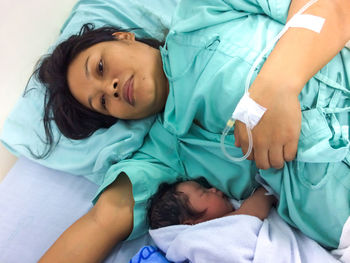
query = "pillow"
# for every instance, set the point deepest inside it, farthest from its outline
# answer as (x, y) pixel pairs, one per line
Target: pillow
(23, 130)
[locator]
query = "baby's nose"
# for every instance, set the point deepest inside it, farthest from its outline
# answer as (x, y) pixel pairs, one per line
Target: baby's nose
(218, 192)
(213, 190)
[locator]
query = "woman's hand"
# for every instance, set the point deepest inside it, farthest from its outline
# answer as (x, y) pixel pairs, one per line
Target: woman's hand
(297, 56)
(275, 137)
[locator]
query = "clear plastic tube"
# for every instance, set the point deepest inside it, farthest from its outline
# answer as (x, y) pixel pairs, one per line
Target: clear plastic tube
(229, 125)
(231, 121)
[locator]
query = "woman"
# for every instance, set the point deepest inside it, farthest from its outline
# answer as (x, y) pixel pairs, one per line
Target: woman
(198, 78)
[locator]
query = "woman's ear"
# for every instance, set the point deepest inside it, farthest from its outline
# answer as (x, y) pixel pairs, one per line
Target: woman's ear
(124, 36)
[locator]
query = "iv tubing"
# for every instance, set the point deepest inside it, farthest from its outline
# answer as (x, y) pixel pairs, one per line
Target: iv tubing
(231, 121)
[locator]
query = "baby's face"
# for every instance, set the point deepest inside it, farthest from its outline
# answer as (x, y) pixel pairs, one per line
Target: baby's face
(214, 202)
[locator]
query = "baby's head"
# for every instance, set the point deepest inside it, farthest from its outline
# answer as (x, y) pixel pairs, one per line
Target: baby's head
(186, 202)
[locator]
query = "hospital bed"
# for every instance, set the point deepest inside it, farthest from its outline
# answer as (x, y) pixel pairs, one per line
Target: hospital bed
(38, 203)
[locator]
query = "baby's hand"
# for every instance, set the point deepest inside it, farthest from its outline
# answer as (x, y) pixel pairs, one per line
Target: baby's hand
(258, 204)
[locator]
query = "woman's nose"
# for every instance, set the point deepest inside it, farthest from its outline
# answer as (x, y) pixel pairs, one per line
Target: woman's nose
(114, 88)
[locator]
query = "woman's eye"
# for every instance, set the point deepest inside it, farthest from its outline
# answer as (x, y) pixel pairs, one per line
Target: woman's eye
(103, 102)
(100, 67)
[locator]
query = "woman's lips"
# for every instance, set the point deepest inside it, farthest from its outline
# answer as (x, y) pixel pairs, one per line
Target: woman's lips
(128, 91)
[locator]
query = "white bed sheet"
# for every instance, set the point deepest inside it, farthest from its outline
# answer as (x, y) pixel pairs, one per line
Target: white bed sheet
(37, 204)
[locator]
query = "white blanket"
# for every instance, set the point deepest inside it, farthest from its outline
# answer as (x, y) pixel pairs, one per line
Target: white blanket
(239, 238)
(343, 251)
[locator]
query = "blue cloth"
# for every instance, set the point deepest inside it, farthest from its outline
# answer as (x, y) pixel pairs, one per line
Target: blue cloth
(149, 254)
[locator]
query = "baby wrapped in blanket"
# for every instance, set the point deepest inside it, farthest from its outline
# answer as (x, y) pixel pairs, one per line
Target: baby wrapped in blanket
(192, 222)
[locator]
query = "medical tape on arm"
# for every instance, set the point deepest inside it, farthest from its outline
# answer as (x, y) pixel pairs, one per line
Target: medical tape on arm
(311, 22)
(248, 111)
(347, 44)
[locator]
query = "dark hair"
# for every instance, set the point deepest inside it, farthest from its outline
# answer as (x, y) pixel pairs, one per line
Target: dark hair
(170, 207)
(74, 120)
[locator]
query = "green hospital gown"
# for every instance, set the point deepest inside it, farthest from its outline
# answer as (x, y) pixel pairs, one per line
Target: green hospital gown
(208, 52)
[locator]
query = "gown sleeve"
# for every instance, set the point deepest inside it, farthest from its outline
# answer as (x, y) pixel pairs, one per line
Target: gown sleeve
(208, 10)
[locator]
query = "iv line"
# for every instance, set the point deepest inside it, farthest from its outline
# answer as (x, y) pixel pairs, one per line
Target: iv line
(230, 123)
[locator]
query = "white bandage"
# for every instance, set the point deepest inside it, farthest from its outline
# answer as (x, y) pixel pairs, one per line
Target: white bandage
(248, 111)
(311, 22)
(348, 44)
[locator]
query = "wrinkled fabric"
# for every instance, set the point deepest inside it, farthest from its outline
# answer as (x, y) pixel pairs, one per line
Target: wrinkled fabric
(239, 238)
(207, 56)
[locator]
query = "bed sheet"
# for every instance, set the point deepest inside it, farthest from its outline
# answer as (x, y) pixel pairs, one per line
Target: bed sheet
(37, 204)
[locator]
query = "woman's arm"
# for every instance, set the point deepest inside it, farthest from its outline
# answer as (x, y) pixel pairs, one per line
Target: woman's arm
(258, 204)
(298, 55)
(91, 238)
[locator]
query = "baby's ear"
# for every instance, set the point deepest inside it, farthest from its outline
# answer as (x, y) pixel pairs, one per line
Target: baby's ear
(193, 221)
(124, 36)
(189, 222)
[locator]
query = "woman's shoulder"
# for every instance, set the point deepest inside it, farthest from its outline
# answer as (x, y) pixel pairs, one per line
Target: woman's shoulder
(207, 13)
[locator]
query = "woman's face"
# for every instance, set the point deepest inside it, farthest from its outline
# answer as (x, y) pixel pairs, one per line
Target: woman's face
(122, 78)
(211, 200)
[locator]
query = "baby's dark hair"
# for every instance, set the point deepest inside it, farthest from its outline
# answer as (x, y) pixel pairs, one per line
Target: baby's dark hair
(74, 120)
(170, 207)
